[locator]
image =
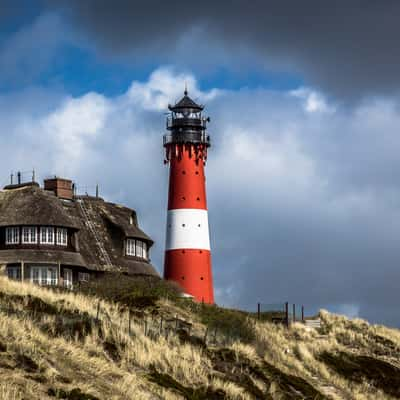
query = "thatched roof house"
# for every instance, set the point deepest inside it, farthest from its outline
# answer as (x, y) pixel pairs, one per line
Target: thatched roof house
(50, 236)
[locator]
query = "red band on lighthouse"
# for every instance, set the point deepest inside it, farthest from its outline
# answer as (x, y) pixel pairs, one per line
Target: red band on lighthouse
(187, 251)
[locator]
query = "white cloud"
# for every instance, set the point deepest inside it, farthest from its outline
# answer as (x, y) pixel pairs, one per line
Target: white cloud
(312, 101)
(72, 129)
(164, 87)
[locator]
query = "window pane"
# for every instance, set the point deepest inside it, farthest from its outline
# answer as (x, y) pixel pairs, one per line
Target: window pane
(47, 235)
(139, 248)
(68, 278)
(12, 235)
(35, 275)
(130, 247)
(144, 250)
(62, 236)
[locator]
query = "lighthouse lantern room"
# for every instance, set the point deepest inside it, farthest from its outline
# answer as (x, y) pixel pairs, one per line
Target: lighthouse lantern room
(187, 253)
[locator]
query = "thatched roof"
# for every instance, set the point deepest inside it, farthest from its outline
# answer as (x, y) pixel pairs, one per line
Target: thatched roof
(31, 205)
(113, 223)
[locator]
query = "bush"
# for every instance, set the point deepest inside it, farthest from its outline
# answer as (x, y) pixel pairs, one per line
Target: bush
(231, 323)
(132, 291)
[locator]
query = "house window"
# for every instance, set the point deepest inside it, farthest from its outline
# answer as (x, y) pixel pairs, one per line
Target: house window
(62, 236)
(139, 248)
(144, 246)
(83, 276)
(68, 278)
(14, 273)
(12, 235)
(136, 248)
(44, 275)
(130, 247)
(29, 234)
(47, 235)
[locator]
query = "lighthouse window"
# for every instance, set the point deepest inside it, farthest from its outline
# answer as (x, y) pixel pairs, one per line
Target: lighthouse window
(29, 234)
(12, 235)
(47, 235)
(62, 236)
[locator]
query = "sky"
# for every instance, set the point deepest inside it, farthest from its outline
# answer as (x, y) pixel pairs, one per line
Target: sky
(303, 174)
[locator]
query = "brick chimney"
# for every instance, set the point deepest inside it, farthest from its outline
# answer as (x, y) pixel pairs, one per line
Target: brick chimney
(62, 188)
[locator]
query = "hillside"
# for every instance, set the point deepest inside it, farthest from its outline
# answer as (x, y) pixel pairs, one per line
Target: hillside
(73, 346)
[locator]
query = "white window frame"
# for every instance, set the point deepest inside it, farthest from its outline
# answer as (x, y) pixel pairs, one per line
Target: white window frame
(139, 248)
(83, 276)
(130, 247)
(12, 235)
(68, 278)
(144, 248)
(14, 273)
(29, 235)
(47, 235)
(44, 275)
(62, 236)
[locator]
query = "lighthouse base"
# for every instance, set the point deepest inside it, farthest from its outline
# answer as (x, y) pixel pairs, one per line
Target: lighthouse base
(191, 269)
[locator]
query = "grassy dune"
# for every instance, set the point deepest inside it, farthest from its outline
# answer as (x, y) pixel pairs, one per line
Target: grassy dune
(52, 345)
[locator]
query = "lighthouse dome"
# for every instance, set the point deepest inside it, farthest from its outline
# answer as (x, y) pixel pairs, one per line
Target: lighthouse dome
(186, 104)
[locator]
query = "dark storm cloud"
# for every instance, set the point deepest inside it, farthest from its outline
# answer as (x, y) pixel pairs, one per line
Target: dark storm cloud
(348, 48)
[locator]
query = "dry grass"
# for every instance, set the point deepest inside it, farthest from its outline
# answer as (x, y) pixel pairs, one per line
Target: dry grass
(108, 363)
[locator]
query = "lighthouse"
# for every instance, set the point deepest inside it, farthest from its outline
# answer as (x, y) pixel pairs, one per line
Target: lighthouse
(187, 251)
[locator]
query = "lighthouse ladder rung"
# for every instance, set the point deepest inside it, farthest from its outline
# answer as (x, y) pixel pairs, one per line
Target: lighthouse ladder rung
(92, 229)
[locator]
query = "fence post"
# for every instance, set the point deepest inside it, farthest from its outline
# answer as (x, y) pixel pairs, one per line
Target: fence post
(294, 312)
(205, 335)
(302, 313)
(145, 326)
(98, 311)
(259, 311)
(287, 313)
(161, 321)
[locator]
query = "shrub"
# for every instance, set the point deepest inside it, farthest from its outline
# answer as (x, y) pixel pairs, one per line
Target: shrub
(132, 291)
(234, 324)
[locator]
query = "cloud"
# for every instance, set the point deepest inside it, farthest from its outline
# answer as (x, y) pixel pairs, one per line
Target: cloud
(304, 206)
(344, 48)
(156, 94)
(313, 101)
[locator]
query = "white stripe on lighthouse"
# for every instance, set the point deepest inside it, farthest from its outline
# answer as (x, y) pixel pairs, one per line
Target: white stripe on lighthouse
(187, 228)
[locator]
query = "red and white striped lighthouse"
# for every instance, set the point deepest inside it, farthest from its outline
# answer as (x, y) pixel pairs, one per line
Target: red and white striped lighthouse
(187, 253)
